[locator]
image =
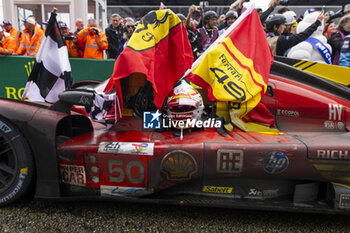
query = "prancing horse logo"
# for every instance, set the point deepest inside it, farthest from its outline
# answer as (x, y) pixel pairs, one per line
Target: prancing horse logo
(151, 18)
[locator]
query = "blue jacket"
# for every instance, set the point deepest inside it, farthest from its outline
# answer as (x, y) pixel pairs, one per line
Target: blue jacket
(344, 59)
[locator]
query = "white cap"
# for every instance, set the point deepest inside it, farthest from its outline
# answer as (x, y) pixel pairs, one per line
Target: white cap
(347, 8)
(29, 20)
(290, 17)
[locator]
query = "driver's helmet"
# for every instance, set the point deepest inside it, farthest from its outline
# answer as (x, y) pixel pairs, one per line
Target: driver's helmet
(184, 102)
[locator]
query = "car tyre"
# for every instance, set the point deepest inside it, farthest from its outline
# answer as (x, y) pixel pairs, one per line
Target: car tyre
(16, 163)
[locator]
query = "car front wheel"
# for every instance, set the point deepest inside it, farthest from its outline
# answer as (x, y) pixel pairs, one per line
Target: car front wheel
(16, 163)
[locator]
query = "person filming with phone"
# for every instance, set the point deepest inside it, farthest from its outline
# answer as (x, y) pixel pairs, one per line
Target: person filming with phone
(95, 40)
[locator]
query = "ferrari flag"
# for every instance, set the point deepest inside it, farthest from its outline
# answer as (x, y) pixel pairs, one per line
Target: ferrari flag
(236, 69)
(159, 49)
(51, 73)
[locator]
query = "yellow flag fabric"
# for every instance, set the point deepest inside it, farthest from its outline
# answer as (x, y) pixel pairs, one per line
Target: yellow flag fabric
(236, 71)
(154, 27)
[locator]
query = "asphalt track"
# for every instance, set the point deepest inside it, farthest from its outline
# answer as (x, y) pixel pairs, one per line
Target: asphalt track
(84, 216)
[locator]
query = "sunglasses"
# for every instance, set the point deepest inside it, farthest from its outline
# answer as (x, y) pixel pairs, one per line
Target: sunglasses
(130, 26)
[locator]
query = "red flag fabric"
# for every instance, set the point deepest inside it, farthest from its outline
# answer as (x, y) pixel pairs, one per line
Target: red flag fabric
(159, 49)
(235, 69)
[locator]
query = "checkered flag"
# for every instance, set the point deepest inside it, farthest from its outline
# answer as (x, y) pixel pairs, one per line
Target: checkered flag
(106, 106)
(51, 73)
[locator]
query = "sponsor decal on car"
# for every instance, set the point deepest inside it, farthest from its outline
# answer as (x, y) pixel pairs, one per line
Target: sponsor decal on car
(335, 112)
(287, 113)
(178, 165)
(335, 117)
(332, 154)
(263, 193)
(229, 161)
(73, 174)
(129, 148)
(275, 162)
(4, 128)
(121, 171)
(344, 202)
(214, 189)
(107, 190)
(334, 125)
(22, 176)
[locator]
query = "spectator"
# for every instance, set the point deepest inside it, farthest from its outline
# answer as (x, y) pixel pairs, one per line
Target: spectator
(30, 39)
(13, 32)
(347, 9)
(336, 40)
(191, 27)
(128, 31)
(344, 59)
(263, 16)
(94, 39)
(272, 5)
(7, 43)
(330, 29)
(182, 17)
(221, 19)
(230, 18)
(260, 11)
(328, 16)
(291, 18)
(114, 34)
(293, 29)
(71, 40)
(80, 26)
(208, 33)
(36, 24)
(279, 44)
(283, 10)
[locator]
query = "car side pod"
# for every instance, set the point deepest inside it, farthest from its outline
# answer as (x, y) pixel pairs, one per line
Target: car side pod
(69, 98)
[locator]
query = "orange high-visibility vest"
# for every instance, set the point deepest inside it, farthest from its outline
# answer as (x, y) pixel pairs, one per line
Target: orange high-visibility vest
(8, 45)
(93, 46)
(29, 45)
(16, 35)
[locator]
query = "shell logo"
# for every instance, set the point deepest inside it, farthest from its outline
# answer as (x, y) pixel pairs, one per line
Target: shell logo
(178, 165)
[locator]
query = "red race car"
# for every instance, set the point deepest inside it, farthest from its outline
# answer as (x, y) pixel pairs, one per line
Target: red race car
(62, 155)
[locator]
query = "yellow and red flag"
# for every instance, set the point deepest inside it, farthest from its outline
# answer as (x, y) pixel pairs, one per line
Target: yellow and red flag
(159, 49)
(236, 69)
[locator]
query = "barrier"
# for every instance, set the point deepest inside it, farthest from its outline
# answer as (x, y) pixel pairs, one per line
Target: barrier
(15, 70)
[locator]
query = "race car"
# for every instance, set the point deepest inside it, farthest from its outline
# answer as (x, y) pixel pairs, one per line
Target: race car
(59, 154)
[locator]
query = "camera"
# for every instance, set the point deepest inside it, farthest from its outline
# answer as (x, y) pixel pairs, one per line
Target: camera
(284, 2)
(93, 31)
(68, 37)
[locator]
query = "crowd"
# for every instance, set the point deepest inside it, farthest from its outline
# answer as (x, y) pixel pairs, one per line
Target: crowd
(313, 36)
